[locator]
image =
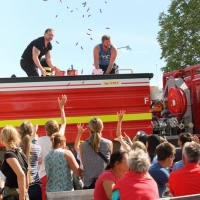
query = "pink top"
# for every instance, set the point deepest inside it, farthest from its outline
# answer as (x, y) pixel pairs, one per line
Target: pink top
(99, 192)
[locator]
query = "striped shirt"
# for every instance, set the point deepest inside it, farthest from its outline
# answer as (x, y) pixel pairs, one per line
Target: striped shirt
(35, 153)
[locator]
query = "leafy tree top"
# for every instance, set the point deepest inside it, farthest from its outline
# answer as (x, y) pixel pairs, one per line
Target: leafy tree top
(179, 36)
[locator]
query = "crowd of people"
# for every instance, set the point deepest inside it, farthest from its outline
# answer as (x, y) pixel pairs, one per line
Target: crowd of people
(142, 168)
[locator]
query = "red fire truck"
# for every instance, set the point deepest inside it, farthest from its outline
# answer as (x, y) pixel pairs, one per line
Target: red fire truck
(35, 99)
(180, 104)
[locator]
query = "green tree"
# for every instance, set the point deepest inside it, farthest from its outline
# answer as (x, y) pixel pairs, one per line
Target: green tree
(179, 36)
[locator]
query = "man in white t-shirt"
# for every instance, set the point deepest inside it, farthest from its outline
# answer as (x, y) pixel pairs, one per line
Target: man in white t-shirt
(51, 127)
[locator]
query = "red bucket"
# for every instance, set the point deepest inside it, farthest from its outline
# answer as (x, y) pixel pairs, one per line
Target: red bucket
(72, 72)
(61, 73)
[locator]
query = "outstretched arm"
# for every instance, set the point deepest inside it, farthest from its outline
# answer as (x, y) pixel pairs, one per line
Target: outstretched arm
(35, 54)
(127, 138)
(49, 61)
(78, 137)
(119, 123)
(112, 59)
(61, 104)
(125, 146)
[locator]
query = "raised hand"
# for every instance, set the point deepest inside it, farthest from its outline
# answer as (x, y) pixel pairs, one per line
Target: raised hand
(121, 114)
(35, 128)
(81, 128)
(126, 137)
(62, 102)
(119, 138)
(196, 139)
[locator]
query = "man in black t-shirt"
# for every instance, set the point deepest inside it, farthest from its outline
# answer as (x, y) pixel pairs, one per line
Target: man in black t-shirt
(30, 61)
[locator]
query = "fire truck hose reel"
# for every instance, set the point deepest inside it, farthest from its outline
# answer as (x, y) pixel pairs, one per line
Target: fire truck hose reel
(184, 101)
(174, 101)
(177, 101)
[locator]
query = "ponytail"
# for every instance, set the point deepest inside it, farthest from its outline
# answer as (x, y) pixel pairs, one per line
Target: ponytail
(52, 138)
(117, 156)
(26, 131)
(56, 139)
(11, 144)
(95, 126)
(95, 141)
(26, 146)
(108, 166)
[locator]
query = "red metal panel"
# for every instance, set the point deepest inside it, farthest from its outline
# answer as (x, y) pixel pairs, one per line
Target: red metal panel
(196, 105)
(81, 102)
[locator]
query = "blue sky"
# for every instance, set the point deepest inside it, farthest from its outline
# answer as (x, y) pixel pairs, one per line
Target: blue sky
(131, 22)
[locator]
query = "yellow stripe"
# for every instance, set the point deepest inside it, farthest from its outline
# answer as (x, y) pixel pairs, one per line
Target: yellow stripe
(47, 68)
(81, 119)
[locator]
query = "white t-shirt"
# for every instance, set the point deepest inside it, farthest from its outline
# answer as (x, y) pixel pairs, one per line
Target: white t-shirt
(46, 145)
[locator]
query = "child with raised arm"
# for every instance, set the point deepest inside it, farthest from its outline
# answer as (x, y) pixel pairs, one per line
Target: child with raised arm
(124, 141)
(51, 127)
(78, 182)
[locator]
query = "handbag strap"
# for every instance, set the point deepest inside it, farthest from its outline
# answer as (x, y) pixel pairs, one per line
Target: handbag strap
(99, 153)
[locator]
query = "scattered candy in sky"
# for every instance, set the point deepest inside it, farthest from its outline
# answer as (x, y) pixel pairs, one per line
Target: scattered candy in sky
(84, 5)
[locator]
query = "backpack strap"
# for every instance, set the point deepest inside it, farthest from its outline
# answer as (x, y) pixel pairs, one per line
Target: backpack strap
(99, 153)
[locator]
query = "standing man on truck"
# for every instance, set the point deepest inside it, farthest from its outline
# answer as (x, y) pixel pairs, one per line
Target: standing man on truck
(105, 55)
(30, 60)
